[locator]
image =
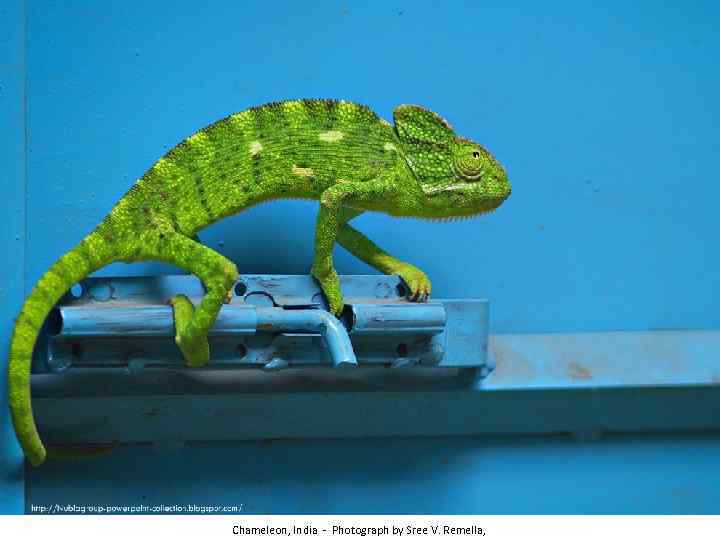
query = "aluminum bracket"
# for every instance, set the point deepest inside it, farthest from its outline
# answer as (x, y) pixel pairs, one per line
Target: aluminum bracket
(271, 322)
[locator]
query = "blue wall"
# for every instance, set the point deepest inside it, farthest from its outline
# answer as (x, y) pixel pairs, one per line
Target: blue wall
(12, 231)
(416, 476)
(605, 115)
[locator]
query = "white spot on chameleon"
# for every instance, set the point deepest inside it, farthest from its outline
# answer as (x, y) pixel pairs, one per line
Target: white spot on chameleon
(390, 147)
(255, 148)
(430, 190)
(331, 136)
(302, 171)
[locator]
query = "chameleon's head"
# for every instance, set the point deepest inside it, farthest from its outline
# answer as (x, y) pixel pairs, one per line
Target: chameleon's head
(458, 177)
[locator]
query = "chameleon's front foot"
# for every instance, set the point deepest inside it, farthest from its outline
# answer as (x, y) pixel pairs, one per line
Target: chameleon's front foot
(194, 347)
(330, 284)
(416, 280)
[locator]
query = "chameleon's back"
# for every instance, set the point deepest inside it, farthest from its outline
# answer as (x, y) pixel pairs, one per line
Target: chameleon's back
(290, 149)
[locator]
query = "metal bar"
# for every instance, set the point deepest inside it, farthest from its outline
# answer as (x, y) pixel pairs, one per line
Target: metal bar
(328, 414)
(398, 319)
(90, 321)
(126, 322)
(94, 321)
(103, 320)
(239, 319)
(579, 383)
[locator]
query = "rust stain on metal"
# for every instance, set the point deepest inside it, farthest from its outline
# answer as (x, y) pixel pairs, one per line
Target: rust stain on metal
(579, 372)
(509, 363)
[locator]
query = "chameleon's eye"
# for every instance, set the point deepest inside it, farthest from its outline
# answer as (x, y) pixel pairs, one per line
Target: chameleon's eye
(469, 163)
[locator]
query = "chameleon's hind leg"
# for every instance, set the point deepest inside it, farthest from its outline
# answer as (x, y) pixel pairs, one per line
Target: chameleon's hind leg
(217, 274)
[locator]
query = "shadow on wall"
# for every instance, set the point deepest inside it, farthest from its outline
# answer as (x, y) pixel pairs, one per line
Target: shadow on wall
(424, 475)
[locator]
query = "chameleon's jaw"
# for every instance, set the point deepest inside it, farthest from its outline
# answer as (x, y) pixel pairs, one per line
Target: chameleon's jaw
(451, 211)
(462, 199)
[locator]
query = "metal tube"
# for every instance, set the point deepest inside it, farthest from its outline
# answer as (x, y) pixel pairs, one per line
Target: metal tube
(398, 319)
(316, 321)
(143, 321)
(242, 319)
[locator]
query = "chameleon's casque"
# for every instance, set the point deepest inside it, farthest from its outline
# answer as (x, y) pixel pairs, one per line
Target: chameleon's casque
(339, 153)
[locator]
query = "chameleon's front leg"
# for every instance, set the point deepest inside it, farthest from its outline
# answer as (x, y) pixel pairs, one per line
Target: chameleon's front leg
(367, 251)
(330, 218)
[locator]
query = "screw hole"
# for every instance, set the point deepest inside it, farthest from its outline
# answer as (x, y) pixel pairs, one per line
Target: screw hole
(402, 350)
(241, 351)
(77, 290)
(54, 322)
(240, 289)
(401, 290)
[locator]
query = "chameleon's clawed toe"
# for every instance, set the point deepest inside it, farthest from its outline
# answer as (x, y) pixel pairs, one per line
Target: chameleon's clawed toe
(416, 282)
(420, 296)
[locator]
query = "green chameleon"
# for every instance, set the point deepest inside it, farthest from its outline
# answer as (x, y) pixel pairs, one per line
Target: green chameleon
(339, 153)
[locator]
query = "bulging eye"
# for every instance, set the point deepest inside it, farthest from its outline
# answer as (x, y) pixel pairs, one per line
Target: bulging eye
(469, 164)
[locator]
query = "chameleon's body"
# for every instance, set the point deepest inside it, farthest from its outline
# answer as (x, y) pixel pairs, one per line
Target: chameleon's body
(339, 153)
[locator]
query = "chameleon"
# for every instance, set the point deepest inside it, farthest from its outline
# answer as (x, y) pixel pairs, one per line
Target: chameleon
(337, 152)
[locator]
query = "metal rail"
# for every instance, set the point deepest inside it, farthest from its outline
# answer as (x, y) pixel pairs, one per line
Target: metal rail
(272, 322)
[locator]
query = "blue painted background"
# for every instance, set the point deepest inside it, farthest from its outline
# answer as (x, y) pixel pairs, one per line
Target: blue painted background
(416, 476)
(605, 115)
(12, 231)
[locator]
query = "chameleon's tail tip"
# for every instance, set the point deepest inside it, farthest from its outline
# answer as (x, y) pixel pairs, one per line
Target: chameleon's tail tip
(37, 457)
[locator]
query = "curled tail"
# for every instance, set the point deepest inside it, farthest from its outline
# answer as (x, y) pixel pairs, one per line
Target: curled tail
(92, 253)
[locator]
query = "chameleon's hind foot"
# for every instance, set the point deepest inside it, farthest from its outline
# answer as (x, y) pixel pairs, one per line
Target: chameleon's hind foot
(195, 348)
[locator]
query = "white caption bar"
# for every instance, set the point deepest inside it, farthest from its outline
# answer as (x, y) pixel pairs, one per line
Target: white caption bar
(347, 527)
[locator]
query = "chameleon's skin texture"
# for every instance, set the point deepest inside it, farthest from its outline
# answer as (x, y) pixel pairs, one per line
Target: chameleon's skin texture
(339, 153)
